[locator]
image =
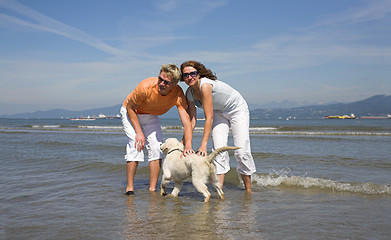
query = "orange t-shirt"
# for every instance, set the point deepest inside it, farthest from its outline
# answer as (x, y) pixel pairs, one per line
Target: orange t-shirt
(149, 101)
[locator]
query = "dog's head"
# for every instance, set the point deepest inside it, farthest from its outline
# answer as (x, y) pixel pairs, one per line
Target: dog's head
(171, 143)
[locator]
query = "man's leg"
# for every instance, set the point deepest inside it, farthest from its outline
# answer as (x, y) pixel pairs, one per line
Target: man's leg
(131, 168)
(131, 153)
(154, 170)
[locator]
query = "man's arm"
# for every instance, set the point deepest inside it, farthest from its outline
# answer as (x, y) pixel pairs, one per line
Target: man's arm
(140, 139)
(188, 131)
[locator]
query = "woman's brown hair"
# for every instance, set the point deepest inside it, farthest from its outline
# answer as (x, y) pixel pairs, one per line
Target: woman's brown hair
(202, 70)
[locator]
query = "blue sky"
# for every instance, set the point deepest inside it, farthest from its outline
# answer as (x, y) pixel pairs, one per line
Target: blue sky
(84, 54)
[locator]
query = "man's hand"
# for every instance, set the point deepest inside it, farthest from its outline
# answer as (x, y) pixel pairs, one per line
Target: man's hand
(140, 142)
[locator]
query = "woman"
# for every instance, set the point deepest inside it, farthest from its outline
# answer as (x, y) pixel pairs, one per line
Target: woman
(224, 108)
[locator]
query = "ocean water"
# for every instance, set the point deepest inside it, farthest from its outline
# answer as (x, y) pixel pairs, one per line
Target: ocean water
(315, 179)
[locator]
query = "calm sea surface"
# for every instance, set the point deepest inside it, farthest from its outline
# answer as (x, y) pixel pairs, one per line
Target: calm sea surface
(315, 179)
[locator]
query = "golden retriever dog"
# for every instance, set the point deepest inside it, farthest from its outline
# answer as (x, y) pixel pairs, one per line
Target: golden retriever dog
(199, 168)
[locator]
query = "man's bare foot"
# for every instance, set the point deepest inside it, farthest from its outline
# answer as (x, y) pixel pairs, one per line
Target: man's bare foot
(128, 193)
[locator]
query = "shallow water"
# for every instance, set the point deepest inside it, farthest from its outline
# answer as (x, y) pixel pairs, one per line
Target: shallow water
(316, 179)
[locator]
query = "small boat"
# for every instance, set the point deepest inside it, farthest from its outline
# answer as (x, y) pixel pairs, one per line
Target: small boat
(352, 116)
(113, 117)
(376, 117)
(102, 116)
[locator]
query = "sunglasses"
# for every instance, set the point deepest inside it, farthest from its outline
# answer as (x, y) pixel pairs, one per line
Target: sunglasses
(191, 74)
(164, 81)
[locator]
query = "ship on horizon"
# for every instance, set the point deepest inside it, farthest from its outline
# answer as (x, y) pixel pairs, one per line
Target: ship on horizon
(352, 116)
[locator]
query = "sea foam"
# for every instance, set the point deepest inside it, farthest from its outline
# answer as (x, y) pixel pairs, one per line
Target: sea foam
(283, 179)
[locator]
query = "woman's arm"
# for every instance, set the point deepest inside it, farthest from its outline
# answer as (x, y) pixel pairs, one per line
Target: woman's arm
(207, 102)
(192, 113)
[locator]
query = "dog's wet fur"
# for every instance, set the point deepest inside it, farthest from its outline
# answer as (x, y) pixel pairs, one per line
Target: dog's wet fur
(199, 168)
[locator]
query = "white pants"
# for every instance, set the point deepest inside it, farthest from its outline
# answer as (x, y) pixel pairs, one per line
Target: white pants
(151, 128)
(239, 121)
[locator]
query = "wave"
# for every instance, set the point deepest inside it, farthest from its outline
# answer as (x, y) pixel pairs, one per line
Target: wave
(282, 131)
(178, 128)
(45, 126)
(77, 126)
(262, 128)
(282, 179)
(101, 127)
(315, 133)
(65, 128)
(172, 127)
(86, 166)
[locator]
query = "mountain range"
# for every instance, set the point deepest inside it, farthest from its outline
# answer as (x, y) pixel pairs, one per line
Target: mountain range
(379, 105)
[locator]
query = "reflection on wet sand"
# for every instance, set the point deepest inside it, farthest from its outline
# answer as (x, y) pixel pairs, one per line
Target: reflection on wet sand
(151, 216)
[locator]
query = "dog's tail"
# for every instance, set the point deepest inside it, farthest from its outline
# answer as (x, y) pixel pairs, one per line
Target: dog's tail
(219, 150)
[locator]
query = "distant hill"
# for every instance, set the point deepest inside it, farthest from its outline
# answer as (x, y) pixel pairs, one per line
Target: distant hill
(62, 113)
(379, 105)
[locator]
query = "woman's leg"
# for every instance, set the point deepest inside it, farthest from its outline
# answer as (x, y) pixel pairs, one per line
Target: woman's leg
(240, 123)
(220, 132)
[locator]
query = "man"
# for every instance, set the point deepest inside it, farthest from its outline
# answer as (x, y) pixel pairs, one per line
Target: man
(152, 97)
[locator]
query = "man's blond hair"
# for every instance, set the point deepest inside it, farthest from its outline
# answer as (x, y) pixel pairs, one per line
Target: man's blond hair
(173, 71)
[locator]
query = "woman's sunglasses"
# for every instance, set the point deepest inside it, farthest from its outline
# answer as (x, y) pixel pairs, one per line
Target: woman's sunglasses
(191, 74)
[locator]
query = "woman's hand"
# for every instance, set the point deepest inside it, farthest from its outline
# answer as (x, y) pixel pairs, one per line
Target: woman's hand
(202, 152)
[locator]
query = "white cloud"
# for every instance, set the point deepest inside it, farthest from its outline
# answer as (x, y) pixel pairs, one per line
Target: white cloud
(38, 21)
(371, 10)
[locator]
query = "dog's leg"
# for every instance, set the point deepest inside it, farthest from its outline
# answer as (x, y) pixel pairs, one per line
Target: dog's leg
(216, 185)
(202, 188)
(177, 188)
(215, 182)
(163, 185)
